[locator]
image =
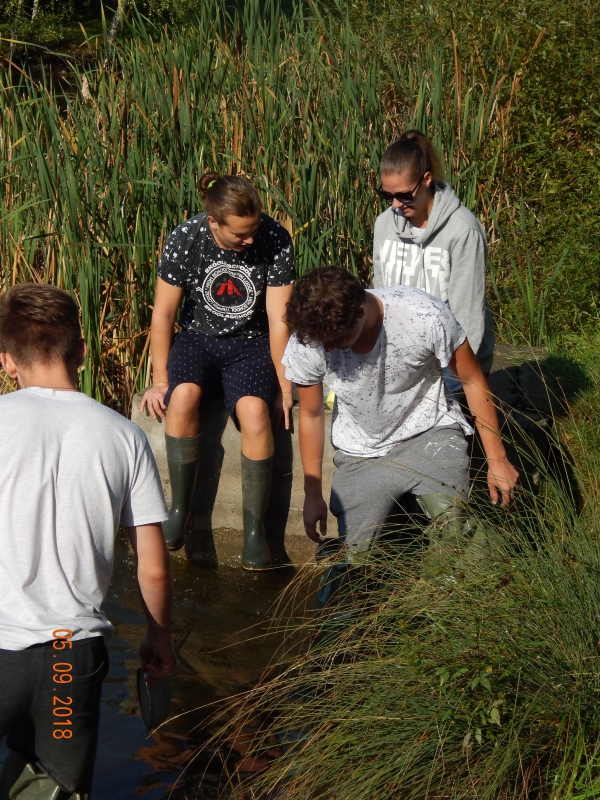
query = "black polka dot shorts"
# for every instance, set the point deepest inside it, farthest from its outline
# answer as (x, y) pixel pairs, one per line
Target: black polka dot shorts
(233, 366)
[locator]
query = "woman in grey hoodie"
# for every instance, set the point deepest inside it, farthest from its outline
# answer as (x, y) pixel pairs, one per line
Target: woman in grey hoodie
(428, 239)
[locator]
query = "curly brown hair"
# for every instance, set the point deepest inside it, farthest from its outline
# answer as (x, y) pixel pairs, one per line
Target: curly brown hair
(324, 304)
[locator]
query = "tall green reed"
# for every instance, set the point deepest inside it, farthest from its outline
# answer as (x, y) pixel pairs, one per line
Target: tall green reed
(524, 311)
(95, 178)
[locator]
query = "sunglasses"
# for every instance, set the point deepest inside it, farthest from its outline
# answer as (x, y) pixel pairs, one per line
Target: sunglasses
(406, 198)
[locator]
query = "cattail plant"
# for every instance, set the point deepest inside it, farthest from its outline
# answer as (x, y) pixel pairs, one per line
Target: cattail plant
(95, 178)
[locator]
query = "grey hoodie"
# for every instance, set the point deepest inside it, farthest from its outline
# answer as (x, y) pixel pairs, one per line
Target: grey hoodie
(446, 259)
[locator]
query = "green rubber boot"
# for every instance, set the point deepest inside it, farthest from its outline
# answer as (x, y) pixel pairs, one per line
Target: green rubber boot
(256, 488)
(21, 780)
(444, 532)
(455, 538)
(182, 458)
(447, 517)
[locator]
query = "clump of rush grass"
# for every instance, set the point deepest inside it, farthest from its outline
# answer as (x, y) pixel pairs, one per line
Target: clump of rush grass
(440, 676)
(95, 177)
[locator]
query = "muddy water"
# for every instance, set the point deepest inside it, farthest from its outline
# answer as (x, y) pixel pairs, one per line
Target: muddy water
(224, 638)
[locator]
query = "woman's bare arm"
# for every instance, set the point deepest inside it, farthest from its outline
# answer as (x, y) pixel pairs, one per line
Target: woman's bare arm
(166, 306)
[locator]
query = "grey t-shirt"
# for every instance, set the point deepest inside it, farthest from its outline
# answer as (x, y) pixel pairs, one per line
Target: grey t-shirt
(71, 470)
(396, 391)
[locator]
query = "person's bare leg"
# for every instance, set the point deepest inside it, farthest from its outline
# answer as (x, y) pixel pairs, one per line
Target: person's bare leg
(183, 448)
(257, 467)
(255, 426)
(183, 418)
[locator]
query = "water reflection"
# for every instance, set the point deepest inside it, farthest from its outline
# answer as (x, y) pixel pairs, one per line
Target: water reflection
(223, 642)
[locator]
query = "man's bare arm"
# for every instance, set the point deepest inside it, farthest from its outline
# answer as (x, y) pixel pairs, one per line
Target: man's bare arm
(502, 475)
(276, 300)
(155, 584)
(312, 443)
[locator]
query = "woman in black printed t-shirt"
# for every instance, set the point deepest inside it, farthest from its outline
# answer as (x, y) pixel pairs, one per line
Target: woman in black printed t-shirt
(233, 267)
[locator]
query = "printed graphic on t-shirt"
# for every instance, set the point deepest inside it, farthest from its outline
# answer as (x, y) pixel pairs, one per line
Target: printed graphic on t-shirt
(229, 292)
(225, 290)
(406, 264)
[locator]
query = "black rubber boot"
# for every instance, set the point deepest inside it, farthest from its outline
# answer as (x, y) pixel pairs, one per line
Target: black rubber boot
(256, 488)
(332, 580)
(182, 458)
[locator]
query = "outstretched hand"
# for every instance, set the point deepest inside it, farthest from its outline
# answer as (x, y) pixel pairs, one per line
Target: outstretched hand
(157, 658)
(502, 478)
(282, 409)
(315, 511)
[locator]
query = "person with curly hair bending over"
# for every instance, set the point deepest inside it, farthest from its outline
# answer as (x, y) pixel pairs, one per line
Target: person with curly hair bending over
(233, 267)
(395, 430)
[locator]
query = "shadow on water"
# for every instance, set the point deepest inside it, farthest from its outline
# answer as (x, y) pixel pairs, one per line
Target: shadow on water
(223, 642)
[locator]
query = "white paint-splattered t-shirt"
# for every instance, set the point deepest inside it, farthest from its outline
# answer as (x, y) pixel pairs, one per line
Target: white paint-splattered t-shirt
(225, 291)
(396, 391)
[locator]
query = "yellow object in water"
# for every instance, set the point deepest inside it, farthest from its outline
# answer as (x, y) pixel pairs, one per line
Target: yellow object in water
(330, 399)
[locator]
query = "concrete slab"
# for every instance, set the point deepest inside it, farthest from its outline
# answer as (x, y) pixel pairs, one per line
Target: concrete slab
(216, 535)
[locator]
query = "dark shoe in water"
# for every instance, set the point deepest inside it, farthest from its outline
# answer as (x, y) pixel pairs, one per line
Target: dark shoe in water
(200, 548)
(22, 780)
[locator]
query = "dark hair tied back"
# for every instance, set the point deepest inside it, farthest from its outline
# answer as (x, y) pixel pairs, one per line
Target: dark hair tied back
(413, 153)
(228, 195)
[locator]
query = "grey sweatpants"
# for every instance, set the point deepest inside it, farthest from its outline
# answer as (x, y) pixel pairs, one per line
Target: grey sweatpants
(365, 491)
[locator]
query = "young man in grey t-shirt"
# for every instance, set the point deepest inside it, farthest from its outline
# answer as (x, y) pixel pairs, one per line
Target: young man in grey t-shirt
(71, 471)
(396, 431)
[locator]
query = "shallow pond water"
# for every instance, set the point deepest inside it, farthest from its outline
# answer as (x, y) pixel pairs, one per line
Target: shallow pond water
(224, 637)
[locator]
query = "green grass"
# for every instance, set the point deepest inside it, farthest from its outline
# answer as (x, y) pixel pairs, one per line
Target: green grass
(442, 676)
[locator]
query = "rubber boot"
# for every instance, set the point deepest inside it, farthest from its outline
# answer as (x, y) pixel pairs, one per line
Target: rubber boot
(447, 517)
(332, 580)
(21, 780)
(182, 458)
(256, 488)
(455, 538)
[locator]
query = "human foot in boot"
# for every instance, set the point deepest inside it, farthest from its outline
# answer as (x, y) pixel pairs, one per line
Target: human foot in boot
(182, 458)
(256, 488)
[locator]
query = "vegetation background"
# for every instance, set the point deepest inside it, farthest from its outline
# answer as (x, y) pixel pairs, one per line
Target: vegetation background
(490, 676)
(105, 129)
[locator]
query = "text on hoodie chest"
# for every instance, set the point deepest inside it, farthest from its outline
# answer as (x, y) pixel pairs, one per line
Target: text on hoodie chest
(426, 268)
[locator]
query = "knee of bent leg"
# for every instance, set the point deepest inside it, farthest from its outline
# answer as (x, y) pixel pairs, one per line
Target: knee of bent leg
(185, 399)
(253, 414)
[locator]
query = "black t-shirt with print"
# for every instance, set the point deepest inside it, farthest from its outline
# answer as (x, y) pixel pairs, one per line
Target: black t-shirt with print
(225, 291)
